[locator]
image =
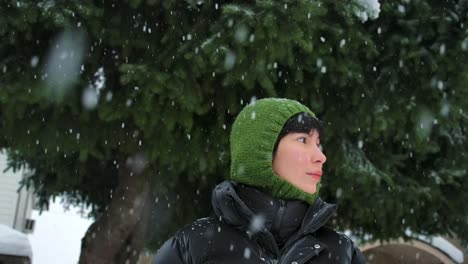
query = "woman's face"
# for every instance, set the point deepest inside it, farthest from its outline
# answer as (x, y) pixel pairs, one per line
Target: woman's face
(299, 160)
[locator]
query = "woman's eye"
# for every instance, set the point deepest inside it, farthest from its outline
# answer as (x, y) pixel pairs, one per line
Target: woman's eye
(302, 140)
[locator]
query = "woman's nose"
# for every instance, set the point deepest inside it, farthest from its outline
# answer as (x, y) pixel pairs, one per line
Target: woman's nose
(318, 156)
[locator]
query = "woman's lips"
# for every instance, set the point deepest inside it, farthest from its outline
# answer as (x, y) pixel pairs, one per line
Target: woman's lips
(317, 175)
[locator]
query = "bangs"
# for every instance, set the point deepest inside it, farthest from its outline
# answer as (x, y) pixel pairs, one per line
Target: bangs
(299, 123)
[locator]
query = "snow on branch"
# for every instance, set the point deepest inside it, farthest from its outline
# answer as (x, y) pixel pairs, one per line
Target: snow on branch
(367, 9)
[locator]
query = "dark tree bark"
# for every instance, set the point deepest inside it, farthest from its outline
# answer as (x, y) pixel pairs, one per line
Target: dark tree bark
(117, 231)
(136, 241)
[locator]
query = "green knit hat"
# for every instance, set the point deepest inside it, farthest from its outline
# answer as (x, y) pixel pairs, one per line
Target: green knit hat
(253, 137)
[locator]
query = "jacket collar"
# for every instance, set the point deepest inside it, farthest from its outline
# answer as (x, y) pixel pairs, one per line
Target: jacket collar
(268, 219)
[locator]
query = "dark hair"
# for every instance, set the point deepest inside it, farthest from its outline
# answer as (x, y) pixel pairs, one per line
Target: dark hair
(299, 123)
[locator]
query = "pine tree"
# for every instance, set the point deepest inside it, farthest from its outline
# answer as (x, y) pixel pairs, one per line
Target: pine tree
(127, 106)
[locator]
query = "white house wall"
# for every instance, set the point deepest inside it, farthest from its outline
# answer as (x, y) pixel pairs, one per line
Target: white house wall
(15, 206)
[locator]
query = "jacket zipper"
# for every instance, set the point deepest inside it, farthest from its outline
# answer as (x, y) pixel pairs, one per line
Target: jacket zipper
(279, 216)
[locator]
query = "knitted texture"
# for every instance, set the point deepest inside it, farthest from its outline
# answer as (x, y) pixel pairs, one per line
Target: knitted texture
(253, 137)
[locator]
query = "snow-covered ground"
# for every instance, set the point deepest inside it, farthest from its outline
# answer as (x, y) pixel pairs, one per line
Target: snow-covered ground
(57, 235)
(13, 242)
(445, 246)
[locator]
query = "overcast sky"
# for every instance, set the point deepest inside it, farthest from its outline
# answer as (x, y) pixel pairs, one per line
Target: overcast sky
(57, 235)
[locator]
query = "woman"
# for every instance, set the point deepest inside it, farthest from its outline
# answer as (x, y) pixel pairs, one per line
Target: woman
(269, 210)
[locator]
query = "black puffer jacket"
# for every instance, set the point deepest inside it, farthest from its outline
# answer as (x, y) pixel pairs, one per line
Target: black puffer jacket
(253, 227)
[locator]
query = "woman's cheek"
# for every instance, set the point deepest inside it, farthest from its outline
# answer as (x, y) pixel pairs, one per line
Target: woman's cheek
(299, 157)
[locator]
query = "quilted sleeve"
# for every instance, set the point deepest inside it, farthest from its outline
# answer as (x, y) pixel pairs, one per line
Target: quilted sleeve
(358, 257)
(171, 252)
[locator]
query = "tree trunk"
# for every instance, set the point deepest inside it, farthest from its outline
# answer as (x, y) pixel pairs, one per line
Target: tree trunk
(110, 234)
(136, 241)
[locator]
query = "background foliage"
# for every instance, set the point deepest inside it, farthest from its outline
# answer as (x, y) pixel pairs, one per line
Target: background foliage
(87, 84)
